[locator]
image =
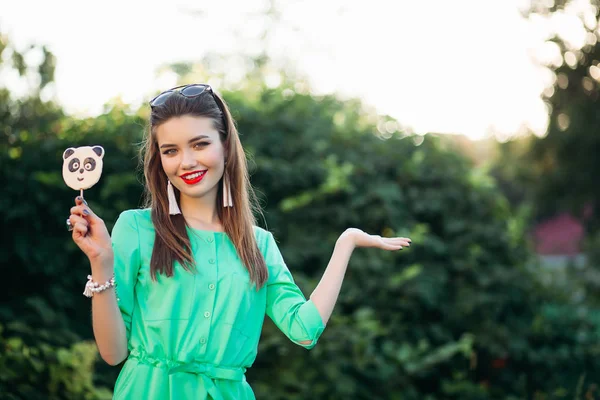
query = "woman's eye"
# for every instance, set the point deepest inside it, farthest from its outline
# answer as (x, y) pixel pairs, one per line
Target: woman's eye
(169, 152)
(201, 144)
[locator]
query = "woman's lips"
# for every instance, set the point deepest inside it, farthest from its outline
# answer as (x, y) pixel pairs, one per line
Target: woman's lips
(193, 178)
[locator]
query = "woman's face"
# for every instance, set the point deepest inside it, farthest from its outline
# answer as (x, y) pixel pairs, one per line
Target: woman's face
(191, 154)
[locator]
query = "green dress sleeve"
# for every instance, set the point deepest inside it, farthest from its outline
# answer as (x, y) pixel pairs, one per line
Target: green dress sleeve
(297, 318)
(125, 244)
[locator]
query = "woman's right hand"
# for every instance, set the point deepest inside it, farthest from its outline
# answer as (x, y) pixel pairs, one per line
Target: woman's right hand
(89, 232)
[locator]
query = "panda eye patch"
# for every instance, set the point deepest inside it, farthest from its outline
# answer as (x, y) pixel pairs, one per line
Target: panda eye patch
(89, 164)
(74, 165)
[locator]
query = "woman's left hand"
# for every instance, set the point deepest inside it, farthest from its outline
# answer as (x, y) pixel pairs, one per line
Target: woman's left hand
(363, 239)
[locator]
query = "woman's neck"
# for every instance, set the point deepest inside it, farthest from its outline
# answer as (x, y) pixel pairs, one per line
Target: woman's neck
(200, 213)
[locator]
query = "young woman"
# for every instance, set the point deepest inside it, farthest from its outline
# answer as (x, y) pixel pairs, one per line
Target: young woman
(194, 276)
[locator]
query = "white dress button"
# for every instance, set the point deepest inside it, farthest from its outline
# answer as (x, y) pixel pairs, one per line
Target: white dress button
(211, 286)
(206, 314)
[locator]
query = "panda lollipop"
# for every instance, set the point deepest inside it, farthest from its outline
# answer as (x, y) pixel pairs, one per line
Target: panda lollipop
(82, 167)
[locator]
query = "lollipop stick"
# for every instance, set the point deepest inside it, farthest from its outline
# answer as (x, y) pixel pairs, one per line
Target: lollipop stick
(81, 193)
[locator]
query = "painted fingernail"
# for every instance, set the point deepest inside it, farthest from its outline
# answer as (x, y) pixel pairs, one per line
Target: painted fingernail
(84, 202)
(86, 212)
(78, 198)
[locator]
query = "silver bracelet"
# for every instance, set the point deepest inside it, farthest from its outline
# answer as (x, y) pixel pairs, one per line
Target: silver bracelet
(92, 287)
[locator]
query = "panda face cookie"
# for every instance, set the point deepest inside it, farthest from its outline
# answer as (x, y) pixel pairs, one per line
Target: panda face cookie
(82, 166)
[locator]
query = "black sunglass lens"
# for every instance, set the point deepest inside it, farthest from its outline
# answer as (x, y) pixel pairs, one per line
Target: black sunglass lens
(194, 90)
(161, 99)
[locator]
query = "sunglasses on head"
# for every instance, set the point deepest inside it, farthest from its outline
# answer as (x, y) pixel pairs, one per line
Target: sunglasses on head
(189, 91)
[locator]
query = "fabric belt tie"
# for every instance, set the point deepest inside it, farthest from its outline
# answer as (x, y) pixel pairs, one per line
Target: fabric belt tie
(208, 372)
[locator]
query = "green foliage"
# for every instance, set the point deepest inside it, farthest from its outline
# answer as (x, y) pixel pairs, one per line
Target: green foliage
(32, 367)
(452, 317)
(44, 355)
(564, 162)
(457, 316)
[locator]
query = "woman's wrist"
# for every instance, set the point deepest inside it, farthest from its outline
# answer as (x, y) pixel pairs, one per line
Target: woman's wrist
(102, 267)
(93, 287)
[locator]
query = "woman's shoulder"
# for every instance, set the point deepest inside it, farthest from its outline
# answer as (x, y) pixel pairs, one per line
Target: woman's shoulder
(264, 238)
(260, 233)
(140, 218)
(139, 213)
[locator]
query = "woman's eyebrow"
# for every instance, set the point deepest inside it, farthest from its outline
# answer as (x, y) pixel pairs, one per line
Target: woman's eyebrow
(189, 141)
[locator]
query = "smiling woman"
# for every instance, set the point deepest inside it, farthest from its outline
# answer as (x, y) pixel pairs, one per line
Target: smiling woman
(191, 152)
(195, 276)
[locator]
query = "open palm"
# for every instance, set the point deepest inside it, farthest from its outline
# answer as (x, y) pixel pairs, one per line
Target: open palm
(363, 239)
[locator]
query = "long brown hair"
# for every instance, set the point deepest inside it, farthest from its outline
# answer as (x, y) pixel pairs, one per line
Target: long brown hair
(172, 242)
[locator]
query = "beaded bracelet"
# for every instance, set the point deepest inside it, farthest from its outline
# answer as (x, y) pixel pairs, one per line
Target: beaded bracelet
(92, 287)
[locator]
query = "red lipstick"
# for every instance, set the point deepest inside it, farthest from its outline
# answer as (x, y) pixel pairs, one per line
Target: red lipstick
(191, 178)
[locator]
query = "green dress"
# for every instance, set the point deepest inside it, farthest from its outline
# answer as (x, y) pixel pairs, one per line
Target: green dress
(193, 335)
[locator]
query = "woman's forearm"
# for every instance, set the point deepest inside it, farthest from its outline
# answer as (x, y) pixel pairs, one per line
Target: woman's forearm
(109, 328)
(326, 293)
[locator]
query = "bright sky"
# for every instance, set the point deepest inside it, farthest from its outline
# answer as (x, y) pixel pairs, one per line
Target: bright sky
(460, 66)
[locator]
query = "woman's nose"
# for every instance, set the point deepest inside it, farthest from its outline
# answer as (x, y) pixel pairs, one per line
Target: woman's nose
(189, 161)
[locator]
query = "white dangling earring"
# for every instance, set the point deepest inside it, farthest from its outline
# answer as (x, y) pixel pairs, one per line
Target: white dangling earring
(173, 207)
(227, 199)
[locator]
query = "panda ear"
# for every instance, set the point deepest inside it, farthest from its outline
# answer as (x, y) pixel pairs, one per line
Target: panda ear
(99, 150)
(68, 153)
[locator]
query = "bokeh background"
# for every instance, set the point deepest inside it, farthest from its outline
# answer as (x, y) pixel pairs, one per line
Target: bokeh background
(469, 126)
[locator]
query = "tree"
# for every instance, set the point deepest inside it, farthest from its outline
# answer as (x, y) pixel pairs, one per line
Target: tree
(459, 316)
(46, 348)
(565, 161)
